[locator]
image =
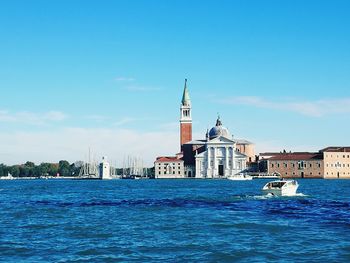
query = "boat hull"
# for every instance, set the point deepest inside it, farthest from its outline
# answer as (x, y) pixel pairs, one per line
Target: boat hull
(239, 178)
(281, 187)
(286, 192)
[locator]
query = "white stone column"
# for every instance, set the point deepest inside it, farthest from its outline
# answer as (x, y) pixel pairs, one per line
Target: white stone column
(215, 162)
(226, 156)
(233, 169)
(198, 168)
(208, 157)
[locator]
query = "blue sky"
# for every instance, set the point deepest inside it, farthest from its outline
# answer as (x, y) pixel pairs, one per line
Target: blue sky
(109, 75)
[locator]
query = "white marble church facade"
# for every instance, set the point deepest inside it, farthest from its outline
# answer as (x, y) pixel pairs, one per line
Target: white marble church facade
(220, 158)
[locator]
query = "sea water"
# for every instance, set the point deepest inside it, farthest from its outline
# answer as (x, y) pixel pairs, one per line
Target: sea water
(172, 221)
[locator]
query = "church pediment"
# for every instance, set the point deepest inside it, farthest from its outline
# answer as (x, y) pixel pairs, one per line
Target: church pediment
(220, 139)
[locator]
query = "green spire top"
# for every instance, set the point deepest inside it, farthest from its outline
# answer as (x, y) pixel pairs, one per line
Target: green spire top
(186, 97)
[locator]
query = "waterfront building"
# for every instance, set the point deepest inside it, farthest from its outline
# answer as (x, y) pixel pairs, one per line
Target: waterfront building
(216, 156)
(169, 167)
(329, 163)
(105, 169)
(296, 165)
(336, 162)
(219, 155)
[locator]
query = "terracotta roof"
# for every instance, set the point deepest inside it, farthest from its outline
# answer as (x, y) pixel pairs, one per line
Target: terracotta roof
(296, 156)
(164, 159)
(269, 153)
(336, 149)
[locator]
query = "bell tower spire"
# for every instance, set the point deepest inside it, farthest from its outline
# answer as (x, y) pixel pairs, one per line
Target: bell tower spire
(185, 118)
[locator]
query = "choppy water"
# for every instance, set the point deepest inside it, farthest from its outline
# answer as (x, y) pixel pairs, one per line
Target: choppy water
(172, 221)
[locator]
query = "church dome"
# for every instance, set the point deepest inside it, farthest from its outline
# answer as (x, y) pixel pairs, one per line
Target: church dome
(219, 130)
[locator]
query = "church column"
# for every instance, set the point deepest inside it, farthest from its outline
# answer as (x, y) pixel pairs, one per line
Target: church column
(208, 157)
(233, 160)
(215, 163)
(208, 162)
(198, 168)
(226, 160)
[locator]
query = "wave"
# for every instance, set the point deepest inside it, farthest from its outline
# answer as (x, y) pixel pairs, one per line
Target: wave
(267, 196)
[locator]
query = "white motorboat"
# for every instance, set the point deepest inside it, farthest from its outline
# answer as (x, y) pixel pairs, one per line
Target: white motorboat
(240, 177)
(281, 187)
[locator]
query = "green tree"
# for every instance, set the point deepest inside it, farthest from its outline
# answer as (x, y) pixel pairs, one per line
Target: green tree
(24, 171)
(44, 169)
(14, 170)
(64, 168)
(2, 169)
(30, 164)
(75, 169)
(53, 169)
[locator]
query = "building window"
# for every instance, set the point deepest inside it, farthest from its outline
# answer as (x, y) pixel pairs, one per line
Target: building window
(179, 172)
(272, 165)
(278, 165)
(310, 165)
(159, 172)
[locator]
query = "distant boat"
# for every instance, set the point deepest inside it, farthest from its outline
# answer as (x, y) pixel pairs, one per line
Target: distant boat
(8, 177)
(240, 177)
(281, 187)
(266, 176)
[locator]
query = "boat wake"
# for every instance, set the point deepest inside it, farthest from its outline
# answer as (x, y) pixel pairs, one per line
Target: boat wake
(267, 196)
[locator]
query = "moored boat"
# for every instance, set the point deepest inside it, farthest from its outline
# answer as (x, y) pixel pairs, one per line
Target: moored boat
(240, 177)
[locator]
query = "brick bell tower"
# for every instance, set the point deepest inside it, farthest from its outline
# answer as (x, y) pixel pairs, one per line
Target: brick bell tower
(185, 118)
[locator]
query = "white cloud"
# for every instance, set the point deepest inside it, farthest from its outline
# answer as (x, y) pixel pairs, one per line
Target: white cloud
(317, 108)
(54, 116)
(124, 121)
(137, 88)
(124, 79)
(72, 144)
(32, 118)
(96, 117)
(170, 126)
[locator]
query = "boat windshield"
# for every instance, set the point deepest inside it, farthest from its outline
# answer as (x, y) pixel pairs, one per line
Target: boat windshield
(276, 184)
